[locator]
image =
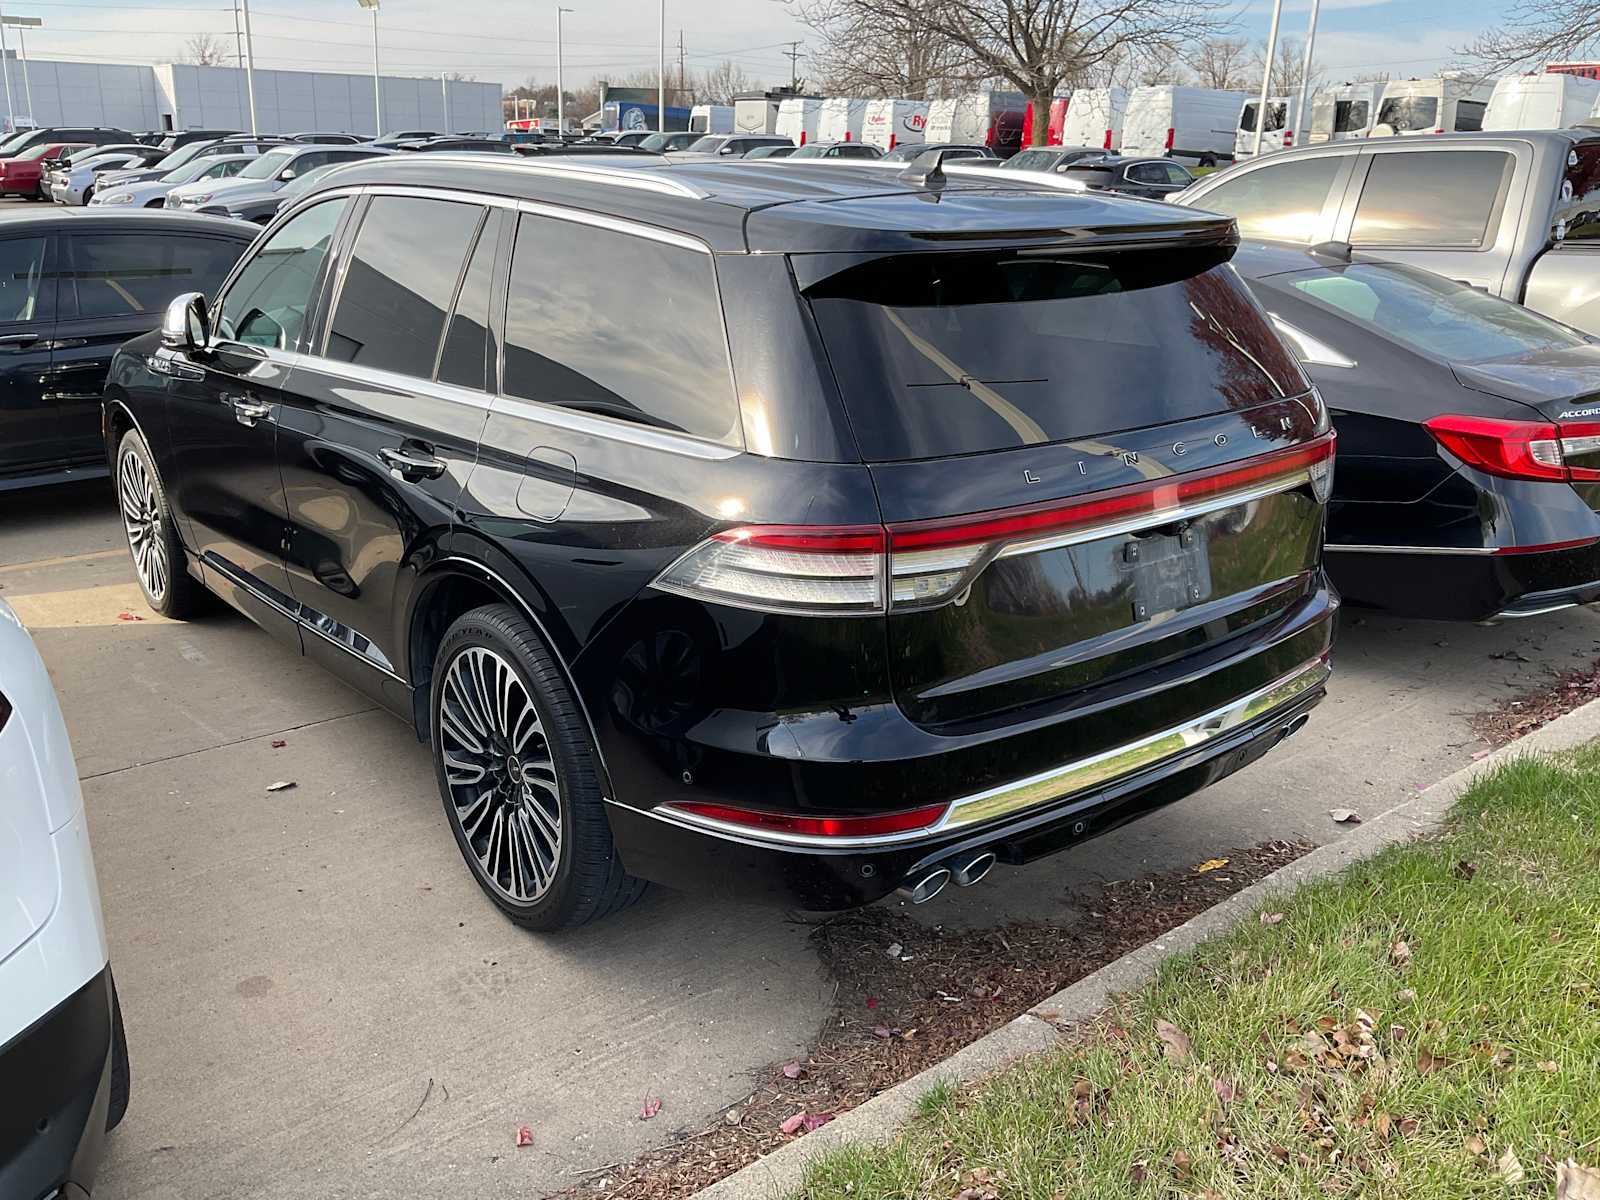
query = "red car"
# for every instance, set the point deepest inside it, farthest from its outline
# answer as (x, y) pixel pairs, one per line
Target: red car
(21, 175)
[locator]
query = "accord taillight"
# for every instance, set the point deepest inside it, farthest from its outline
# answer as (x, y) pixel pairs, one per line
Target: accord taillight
(1520, 449)
(862, 569)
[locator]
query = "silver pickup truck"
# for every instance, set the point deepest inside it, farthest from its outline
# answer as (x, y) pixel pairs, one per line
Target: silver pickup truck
(1516, 214)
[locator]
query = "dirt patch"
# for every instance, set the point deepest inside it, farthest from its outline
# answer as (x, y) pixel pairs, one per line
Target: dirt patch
(1522, 714)
(910, 995)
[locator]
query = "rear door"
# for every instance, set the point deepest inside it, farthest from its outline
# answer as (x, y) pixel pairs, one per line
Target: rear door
(1022, 414)
(117, 284)
(30, 430)
(1290, 200)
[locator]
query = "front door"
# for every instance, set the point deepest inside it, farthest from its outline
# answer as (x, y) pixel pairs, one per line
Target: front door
(224, 411)
(381, 427)
(30, 439)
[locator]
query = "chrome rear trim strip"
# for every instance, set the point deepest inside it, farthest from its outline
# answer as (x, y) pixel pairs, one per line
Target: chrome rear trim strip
(1059, 783)
(1353, 548)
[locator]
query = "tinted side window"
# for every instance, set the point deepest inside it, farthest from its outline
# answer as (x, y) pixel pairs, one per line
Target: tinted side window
(1147, 173)
(1280, 200)
(1579, 205)
(266, 306)
(1438, 198)
(620, 326)
(122, 274)
(27, 293)
(1469, 115)
(466, 342)
(400, 280)
(1176, 174)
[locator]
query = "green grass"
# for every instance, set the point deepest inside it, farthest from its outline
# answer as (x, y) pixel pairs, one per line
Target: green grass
(1502, 984)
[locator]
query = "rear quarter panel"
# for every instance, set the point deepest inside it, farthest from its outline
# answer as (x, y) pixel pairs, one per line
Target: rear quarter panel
(1564, 283)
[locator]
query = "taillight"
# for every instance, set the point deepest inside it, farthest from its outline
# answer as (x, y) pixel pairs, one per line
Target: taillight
(1288, 138)
(863, 569)
(1171, 137)
(1520, 449)
(891, 141)
(1108, 139)
(988, 136)
(802, 137)
(876, 825)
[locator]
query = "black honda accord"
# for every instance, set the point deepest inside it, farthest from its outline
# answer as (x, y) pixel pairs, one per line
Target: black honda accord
(805, 534)
(1469, 436)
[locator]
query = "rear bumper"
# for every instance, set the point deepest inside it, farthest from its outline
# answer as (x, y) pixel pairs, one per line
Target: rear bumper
(1034, 816)
(55, 1088)
(1465, 585)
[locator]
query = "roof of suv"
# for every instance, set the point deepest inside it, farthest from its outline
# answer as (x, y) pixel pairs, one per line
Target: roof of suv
(800, 207)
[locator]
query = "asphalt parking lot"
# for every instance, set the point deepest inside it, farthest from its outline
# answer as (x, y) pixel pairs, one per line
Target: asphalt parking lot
(320, 1002)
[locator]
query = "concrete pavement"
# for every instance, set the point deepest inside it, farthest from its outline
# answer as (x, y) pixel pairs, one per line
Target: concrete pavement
(321, 1004)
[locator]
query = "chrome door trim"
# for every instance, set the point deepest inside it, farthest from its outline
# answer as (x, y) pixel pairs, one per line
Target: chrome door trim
(540, 208)
(1361, 548)
(1046, 787)
(614, 430)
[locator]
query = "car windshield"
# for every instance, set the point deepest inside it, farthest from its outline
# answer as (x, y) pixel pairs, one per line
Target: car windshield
(180, 156)
(708, 145)
(10, 144)
(814, 150)
(905, 153)
(1441, 318)
(657, 141)
(190, 171)
(270, 163)
(1410, 112)
(33, 152)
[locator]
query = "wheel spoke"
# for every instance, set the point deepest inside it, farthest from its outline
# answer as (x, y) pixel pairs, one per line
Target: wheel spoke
(472, 816)
(462, 771)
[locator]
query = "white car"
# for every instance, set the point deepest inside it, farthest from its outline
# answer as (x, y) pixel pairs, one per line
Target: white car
(74, 183)
(63, 1059)
(152, 193)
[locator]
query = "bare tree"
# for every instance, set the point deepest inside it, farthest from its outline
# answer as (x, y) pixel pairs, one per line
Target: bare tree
(1164, 67)
(1530, 33)
(1222, 62)
(864, 53)
(721, 83)
(1288, 67)
(204, 50)
(1038, 45)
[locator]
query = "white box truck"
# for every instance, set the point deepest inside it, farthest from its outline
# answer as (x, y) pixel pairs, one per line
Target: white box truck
(891, 123)
(799, 118)
(1541, 101)
(1191, 123)
(841, 119)
(711, 118)
(755, 112)
(1344, 113)
(1443, 104)
(1094, 118)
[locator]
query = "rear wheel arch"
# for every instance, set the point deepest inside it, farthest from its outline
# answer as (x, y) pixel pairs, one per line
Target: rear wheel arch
(455, 586)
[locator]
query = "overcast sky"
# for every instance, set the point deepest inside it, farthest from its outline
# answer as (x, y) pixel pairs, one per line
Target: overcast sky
(510, 40)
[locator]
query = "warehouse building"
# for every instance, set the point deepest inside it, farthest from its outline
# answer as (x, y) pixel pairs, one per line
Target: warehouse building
(181, 96)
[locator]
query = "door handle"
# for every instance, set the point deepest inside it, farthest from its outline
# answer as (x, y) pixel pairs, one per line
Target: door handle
(410, 464)
(247, 411)
(18, 341)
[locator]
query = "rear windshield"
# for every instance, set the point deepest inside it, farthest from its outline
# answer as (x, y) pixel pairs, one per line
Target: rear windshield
(955, 353)
(1409, 112)
(1441, 318)
(1352, 116)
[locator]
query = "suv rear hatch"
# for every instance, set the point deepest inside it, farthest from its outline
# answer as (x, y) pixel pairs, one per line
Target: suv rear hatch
(1091, 461)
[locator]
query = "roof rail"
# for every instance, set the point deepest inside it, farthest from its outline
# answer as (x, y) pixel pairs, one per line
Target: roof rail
(641, 177)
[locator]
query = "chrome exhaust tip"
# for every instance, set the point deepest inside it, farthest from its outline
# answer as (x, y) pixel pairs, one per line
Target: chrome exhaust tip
(973, 870)
(926, 888)
(1294, 726)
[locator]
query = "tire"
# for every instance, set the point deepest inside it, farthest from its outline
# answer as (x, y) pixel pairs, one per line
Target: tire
(88, 195)
(1207, 160)
(121, 1069)
(152, 536)
(525, 802)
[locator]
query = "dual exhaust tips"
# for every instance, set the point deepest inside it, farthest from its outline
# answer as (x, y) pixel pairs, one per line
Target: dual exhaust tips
(963, 872)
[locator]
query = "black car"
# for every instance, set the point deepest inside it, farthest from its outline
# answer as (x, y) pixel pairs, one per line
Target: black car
(771, 532)
(1469, 435)
(1151, 178)
(79, 135)
(1051, 158)
(908, 152)
(826, 150)
(177, 139)
(330, 139)
(472, 145)
(72, 289)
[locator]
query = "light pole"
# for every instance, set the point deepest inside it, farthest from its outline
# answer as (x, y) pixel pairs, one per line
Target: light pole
(377, 80)
(5, 70)
(561, 111)
(1302, 136)
(1266, 73)
(661, 92)
(22, 23)
(249, 65)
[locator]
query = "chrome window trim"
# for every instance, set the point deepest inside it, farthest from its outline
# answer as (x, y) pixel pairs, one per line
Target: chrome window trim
(540, 208)
(1361, 548)
(1021, 795)
(613, 429)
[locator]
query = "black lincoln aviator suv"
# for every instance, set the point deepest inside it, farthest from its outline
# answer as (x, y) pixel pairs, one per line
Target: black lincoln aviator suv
(787, 530)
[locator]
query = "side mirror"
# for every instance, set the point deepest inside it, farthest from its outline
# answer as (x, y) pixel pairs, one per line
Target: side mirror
(187, 324)
(286, 174)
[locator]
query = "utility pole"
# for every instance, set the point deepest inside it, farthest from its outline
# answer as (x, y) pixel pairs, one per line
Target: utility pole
(1302, 136)
(681, 83)
(238, 35)
(793, 55)
(661, 82)
(1266, 73)
(249, 66)
(377, 77)
(5, 69)
(561, 106)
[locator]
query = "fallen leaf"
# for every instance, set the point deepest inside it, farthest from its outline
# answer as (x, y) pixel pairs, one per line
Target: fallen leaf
(1175, 1042)
(1182, 1164)
(1408, 1126)
(1382, 1124)
(1224, 1089)
(283, 785)
(815, 1121)
(524, 1136)
(1210, 864)
(650, 1108)
(1345, 816)
(1137, 1171)
(793, 1070)
(733, 1116)
(1428, 1061)
(883, 1031)
(792, 1124)
(1464, 869)
(128, 616)
(1475, 1146)
(1271, 918)
(1549, 1068)
(872, 1002)
(278, 743)
(1577, 1182)
(894, 950)
(1400, 954)
(1509, 1169)
(1406, 995)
